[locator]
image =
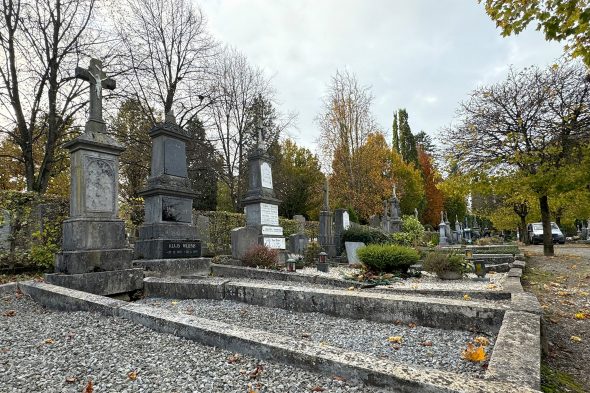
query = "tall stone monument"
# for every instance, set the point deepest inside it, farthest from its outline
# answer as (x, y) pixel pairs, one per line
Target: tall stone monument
(168, 231)
(326, 237)
(442, 227)
(261, 206)
(96, 256)
(395, 223)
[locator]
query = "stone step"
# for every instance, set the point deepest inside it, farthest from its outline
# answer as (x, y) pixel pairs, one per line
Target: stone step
(100, 283)
(173, 267)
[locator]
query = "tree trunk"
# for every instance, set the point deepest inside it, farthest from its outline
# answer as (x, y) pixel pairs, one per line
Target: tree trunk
(546, 220)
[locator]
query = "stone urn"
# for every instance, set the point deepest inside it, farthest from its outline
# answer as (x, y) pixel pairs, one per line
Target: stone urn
(449, 275)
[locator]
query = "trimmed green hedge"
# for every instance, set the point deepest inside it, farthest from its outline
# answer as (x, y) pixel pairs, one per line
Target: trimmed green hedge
(388, 258)
(365, 234)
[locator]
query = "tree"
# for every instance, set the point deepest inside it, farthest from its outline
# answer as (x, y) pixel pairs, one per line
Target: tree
(345, 119)
(395, 133)
(168, 56)
(409, 182)
(41, 42)
(298, 180)
(131, 128)
(424, 142)
(237, 86)
(536, 123)
(407, 143)
(560, 20)
(432, 195)
(204, 164)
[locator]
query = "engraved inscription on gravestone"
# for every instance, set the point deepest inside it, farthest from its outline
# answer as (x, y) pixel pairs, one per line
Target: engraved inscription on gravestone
(175, 158)
(176, 209)
(275, 242)
(277, 231)
(269, 214)
(265, 175)
(100, 184)
(345, 220)
(181, 249)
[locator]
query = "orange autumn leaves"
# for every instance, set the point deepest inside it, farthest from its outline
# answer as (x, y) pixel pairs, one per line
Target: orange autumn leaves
(475, 352)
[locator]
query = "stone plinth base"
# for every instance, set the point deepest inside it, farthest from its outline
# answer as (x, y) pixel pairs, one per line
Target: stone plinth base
(167, 231)
(93, 234)
(174, 267)
(167, 248)
(87, 261)
(100, 283)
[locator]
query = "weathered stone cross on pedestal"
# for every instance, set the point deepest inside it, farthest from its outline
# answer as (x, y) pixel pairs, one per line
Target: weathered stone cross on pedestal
(98, 80)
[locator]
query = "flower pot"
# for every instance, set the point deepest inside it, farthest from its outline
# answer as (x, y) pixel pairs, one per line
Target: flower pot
(449, 275)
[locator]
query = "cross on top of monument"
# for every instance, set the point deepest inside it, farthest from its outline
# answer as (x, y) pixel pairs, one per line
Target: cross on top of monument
(98, 80)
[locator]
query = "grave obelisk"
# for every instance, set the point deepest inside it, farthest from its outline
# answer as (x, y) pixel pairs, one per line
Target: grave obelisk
(261, 206)
(95, 254)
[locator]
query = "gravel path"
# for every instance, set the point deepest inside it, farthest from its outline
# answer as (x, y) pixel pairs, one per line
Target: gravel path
(48, 351)
(419, 345)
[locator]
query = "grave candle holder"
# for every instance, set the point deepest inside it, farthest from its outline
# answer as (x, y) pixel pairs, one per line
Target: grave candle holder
(323, 262)
(291, 265)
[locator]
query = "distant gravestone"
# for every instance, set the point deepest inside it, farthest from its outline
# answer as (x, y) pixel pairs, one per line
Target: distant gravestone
(298, 242)
(326, 237)
(5, 230)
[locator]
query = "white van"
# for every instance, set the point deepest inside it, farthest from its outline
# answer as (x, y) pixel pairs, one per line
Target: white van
(535, 231)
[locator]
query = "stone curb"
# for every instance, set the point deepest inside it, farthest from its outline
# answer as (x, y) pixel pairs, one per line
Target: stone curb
(380, 307)
(9, 288)
(173, 267)
(315, 357)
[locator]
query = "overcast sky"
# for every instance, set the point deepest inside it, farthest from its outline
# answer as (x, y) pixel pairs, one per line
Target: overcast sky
(424, 55)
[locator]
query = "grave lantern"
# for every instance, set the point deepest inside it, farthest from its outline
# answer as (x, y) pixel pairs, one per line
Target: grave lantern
(480, 267)
(323, 262)
(291, 265)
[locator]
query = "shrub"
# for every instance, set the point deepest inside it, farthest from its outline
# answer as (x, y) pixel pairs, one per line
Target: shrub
(259, 255)
(311, 254)
(387, 258)
(364, 234)
(440, 262)
(488, 241)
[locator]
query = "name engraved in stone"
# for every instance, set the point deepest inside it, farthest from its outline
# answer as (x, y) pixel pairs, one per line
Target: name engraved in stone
(277, 243)
(265, 175)
(181, 249)
(278, 231)
(100, 184)
(269, 214)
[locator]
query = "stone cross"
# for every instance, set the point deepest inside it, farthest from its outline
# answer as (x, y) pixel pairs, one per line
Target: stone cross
(98, 80)
(416, 213)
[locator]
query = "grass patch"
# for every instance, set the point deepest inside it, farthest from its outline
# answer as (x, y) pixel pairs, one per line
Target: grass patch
(536, 277)
(555, 381)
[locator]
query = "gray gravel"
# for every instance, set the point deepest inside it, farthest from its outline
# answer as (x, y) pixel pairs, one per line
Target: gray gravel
(40, 350)
(354, 335)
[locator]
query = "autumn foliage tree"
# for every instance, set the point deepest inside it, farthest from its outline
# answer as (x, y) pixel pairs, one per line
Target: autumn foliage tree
(432, 194)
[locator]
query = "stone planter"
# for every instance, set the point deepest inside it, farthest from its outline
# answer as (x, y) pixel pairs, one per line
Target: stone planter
(449, 275)
(351, 248)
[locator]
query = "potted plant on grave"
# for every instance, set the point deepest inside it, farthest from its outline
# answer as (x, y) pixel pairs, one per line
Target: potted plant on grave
(446, 266)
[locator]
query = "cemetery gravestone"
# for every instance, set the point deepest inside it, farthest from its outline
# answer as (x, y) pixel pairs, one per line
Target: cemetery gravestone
(96, 256)
(326, 238)
(168, 231)
(298, 241)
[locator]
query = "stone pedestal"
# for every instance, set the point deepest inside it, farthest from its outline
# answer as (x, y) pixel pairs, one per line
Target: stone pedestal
(326, 239)
(261, 208)
(168, 231)
(95, 254)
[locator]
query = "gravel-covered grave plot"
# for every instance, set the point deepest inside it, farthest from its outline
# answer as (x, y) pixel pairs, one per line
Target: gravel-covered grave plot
(49, 351)
(411, 344)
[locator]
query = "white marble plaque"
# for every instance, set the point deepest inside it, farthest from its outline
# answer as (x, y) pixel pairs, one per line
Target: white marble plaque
(345, 220)
(265, 175)
(269, 214)
(277, 231)
(277, 243)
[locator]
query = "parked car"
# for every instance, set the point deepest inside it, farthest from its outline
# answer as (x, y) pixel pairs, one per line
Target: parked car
(535, 231)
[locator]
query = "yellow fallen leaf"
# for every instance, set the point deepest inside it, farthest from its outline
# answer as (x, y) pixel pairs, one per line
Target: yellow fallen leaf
(562, 293)
(474, 354)
(576, 339)
(581, 315)
(174, 303)
(132, 375)
(573, 267)
(481, 340)
(491, 286)
(583, 293)
(49, 341)
(395, 339)
(466, 297)
(350, 288)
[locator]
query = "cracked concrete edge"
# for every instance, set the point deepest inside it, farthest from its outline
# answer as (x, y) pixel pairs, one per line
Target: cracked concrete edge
(8, 288)
(517, 353)
(269, 346)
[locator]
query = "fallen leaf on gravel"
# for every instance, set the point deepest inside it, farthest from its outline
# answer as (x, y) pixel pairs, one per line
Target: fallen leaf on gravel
(397, 347)
(426, 343)
(10, 313)
(89, 387)
(491, 286)
(257, 371)
(395, 339)
(563, 293)
(71, 379)
(573, 267)
(583, 293)
(350, 288)
(132, 375)
(48, 341)
(19, 293)
(323, 343)
(397, 322)
(318, 389)
(466, 297)
(581, 315)
(231, 359)
(474, 354)
(174, 303)
(305, 335)
(251, 389)
(481, 340)
(338, 378)
(576, 339)
(411, 325)
(189, 311)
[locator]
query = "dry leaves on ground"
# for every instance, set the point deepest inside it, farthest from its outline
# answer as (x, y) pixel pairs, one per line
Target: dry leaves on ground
(482, 341)
(132, 375)
(474, 354)
(48, 341)
(10, 313)
(257, 371)
(395, 339)
(89, 387)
